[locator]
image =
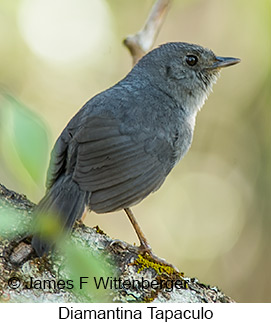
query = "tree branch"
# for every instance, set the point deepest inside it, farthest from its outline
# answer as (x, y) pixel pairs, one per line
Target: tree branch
(18, 268)
(143, 41)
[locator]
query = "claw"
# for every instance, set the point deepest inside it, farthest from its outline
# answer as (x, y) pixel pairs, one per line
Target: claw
(121, 243)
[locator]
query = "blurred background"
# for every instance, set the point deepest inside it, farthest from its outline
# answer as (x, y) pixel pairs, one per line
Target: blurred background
(211, 218)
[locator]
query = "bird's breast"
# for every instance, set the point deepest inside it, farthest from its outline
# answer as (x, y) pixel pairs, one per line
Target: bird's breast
(183, 138)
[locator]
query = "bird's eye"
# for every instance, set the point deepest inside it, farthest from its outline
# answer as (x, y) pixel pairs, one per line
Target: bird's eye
(191, 60)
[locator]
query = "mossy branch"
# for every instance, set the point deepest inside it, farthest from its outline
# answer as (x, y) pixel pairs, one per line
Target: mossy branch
(18, 260)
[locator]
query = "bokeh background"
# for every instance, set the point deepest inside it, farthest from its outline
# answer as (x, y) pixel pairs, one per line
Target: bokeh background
(211, 218)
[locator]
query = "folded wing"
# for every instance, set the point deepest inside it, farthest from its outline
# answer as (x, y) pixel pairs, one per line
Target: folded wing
(118, 169)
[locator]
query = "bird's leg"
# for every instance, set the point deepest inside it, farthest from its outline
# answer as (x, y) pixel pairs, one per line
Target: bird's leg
(144, 245)
(85, 212)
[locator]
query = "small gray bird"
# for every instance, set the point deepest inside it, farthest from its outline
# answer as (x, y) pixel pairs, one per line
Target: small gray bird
(122, 144)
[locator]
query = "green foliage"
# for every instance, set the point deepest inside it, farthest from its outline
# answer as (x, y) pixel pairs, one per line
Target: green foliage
(84, 264)
(11, 224)
(24, 142)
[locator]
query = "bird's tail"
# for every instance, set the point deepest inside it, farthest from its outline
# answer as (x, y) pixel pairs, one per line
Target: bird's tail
(56, 213)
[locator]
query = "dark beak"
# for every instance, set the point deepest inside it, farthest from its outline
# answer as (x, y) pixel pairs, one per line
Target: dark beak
(224, 62)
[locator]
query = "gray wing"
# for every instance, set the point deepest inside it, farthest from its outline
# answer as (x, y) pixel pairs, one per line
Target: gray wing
(57, 164)
(119, 169)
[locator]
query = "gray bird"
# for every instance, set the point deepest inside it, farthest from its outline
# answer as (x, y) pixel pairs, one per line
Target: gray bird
(122, 144)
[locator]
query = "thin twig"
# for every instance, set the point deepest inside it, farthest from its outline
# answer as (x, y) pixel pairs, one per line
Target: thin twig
(143, 41)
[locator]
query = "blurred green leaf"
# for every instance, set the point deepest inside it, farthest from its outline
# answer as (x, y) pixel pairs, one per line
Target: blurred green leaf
(85, 264)
(11, 223)
(24, 141)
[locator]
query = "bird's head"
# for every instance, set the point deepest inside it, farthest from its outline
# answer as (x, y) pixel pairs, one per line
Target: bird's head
(186, 72)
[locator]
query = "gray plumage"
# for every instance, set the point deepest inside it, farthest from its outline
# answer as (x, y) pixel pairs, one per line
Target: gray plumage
(123, 143)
